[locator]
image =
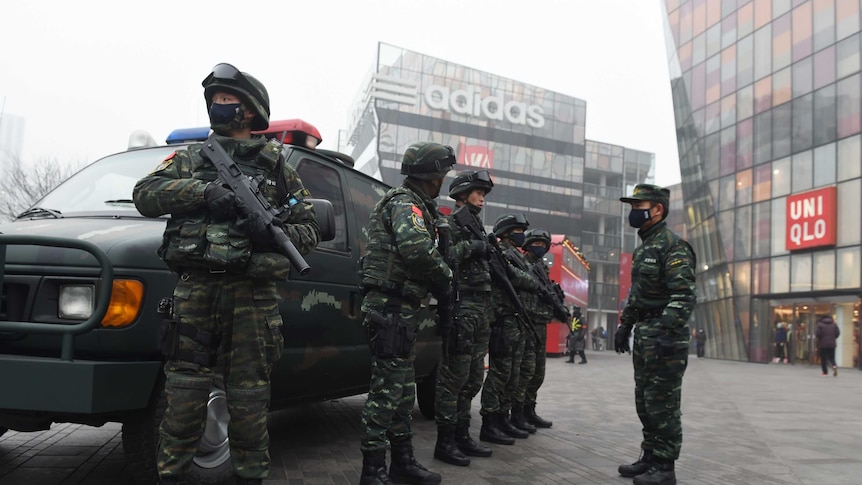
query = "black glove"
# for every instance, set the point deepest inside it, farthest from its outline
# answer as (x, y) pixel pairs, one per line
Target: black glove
(621, 339)
(665, 346)
(256, 228)
(220, 201)
(478, 249)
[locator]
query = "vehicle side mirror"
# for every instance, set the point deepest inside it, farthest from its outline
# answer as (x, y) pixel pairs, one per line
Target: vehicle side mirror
(325, 218)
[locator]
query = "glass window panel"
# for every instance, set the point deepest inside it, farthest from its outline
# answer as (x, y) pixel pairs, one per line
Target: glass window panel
(762, 137)
(742, 241)
(760, 277)
(850, 158)
(780, 7)
(743, 187)
(802, 76)
(825, 115)
(728, 111)
(685, 22)
(803, 172)
(762, 183)
(762, 13)
(698, 86)
(803, 39)
(824, 270)
(713, 79)
(713, 40)
(698, 49)
(727, 186)
(800, 272)
(781, 177)
(848, 268)
(781, 42)
(847, 54)
(725, 229)
(803, 128)
(745, 62)
(728, 31)
(728, 70)
(847, 18)
(685, 56)
(745, 20)
(824, 23)
(728, 151)
(824, 68)
(824, 163)
(763, 94)
(849, 220)
(712, 117)
(763, 52)
(745, 102)
(744, 143)
(713, 13)
(781, 87)
(698, 14)
(761, 220)
(742, 278)
(848, 106)
(780, 275)
(713, 155)
(779, 225)
(781, 130)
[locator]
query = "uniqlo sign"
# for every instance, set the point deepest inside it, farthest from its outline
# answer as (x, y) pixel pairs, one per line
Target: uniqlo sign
(476, 156)
(811, 219)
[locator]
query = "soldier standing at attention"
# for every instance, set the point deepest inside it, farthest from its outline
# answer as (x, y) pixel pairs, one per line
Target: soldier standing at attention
(506, 346)
(537, 242)
(462, 367)
(225, 304)
(400, 266)
(660, 303)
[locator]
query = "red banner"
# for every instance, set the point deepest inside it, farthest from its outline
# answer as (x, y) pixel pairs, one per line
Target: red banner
(811, 219)
(625, 279)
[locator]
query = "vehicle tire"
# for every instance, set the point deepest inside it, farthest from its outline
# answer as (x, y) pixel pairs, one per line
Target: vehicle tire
(211, 466)
(425, 391)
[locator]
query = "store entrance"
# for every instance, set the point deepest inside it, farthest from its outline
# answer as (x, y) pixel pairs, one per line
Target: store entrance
(795, 324)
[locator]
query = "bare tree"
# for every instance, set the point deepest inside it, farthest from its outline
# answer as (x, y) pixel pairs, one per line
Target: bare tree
(22, 185)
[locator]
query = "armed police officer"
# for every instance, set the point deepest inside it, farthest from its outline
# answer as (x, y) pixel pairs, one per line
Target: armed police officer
(537, 242)
(661, 300)
(508, 335)
(462, 368)
(400, 266)
(225, 304)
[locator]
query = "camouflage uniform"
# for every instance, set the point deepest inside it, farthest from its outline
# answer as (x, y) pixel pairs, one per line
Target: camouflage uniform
(400, 266)
(226, 300)
(533, 363)
(660, 303)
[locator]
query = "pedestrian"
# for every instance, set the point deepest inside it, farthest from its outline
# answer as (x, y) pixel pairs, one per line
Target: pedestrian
(579, 338)
(700, 341)
(537, 243)
(573, 335)
(462, 366)
(225, 305)
(400, 266)
(506, 345)
(660, 303)
(594, 338)
(827, 333)
(603, 334)
(780, 343)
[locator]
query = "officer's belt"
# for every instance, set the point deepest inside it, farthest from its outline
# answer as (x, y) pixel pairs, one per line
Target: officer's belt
(642, 314)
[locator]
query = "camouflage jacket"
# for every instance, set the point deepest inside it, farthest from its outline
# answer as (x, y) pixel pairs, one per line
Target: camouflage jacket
(662, 278)
(540, 312)
(473, 273)
(522, 281)
(177, 185)
(401, 255)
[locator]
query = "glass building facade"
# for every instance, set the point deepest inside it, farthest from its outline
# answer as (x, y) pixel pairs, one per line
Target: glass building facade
(532, 140)
(768, 106)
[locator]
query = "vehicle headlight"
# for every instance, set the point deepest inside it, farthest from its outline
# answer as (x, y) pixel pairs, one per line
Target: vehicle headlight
(76, 301)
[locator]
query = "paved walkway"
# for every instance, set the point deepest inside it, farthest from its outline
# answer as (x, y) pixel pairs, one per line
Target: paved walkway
(743, 424)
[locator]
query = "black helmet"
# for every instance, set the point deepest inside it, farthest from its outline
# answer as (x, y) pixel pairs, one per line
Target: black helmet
(251, 91)
(506, 223)
(427, 160)
(470, 180)
(537, 235)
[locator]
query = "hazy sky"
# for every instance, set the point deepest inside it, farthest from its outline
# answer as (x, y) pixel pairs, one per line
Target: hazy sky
(85, 73)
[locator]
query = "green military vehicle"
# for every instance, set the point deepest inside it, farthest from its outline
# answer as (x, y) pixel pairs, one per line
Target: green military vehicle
(82, 289)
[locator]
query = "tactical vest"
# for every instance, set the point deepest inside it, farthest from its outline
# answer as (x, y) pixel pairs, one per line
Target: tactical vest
(382, 268)
(474, 273)
(540, 312)
(194, 240)
(501, 299)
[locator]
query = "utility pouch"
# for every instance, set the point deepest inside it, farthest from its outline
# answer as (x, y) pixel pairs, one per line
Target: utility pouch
(168, 338)
(389, 337)
(497, 344)
(227, 246)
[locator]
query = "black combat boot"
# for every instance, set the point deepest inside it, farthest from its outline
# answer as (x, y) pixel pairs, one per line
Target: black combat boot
(520, 421)
(660, 472)
(534, 419)
(571, 358)
(248, 481)
(510, 429)
(405, 468)
(638, 467)
(491, 431)
(446, 449)
(374, 468)
(466, 444)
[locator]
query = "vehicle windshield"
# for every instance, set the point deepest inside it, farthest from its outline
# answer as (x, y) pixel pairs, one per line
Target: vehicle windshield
(105, 186)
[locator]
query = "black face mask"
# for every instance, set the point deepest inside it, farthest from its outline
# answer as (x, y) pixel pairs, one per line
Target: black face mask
(638, 217)
(517, 238)
(225, 117)
(538, 251)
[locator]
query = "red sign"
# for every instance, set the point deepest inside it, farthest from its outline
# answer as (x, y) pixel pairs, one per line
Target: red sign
(811, 219)
(476, 156)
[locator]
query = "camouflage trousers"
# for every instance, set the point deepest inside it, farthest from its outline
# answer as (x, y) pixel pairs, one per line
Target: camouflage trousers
(532, 373)
(244, 313)
(504, 369)
(387, 414)
(658, 390)
(462, 367)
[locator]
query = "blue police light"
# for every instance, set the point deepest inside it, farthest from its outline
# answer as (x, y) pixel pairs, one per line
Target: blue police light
(185, 135)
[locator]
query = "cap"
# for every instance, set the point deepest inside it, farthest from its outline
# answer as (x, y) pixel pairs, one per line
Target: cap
(648, 192)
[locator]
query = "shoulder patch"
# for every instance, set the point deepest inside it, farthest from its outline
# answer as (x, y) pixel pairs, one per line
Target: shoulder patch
(167, 162)
(417, 219)
(416, 210)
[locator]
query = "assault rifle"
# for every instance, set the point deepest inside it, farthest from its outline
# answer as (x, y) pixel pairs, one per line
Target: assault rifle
(498, 263)
(551, 294)
(252, 200)
(447, 307)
